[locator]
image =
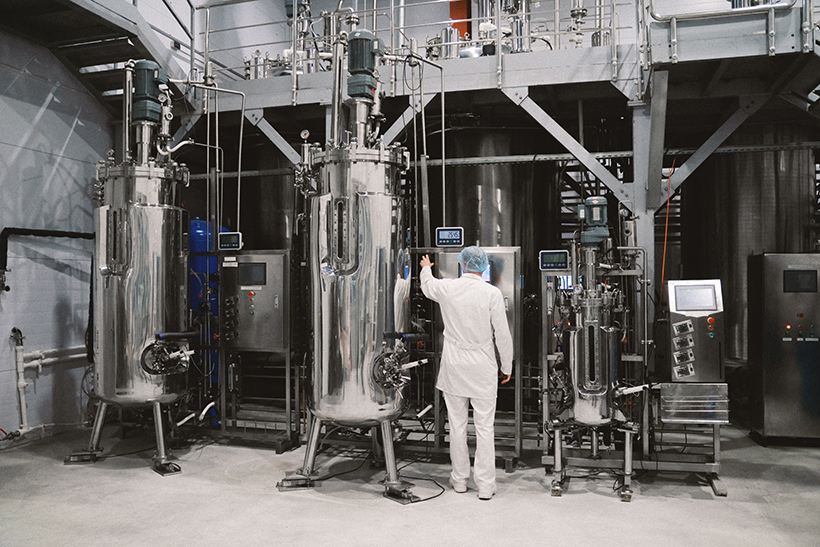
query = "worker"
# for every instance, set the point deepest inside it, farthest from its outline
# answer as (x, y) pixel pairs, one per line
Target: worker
(473, 311)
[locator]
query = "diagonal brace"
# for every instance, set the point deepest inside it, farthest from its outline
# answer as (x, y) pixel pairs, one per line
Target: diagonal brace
(257, 118)
(405, 118)
(521, 97)
(747, 108)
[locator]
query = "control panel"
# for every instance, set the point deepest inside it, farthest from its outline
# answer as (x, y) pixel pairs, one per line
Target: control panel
(254, 302)
(696, 330)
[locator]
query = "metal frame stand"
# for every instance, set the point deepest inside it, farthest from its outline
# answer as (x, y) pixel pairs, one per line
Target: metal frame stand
(394, 488)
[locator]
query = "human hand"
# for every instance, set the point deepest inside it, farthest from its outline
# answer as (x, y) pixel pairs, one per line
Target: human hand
(506, 378)
(425, 261)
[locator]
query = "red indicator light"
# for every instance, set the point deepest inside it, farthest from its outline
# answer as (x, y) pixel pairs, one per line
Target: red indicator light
(711, 320)
(788, 327)
(800, 315)
(711, 327)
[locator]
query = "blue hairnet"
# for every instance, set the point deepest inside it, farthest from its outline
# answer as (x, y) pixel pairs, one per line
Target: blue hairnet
(473, 259)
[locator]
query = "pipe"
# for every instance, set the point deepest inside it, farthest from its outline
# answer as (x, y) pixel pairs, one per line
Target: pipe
(644, 283)
(127, 106)
(8, 232)
(21, 384)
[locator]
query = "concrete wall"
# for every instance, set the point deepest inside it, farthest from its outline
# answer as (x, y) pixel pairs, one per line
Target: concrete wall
(52, 133)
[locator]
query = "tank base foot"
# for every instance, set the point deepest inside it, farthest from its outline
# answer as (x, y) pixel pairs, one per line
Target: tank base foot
(556, 489)
(82, 457)
(400, 492)
(167, 468)
(626, 494)
(296, 481)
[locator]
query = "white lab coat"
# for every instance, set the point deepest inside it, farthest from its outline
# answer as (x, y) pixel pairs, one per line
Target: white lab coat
(473, 311)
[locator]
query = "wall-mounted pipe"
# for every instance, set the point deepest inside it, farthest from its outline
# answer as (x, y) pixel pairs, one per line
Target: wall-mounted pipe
(36, 360)
(8, 232)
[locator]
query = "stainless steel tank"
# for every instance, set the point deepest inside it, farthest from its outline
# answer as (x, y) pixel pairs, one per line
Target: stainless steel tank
(360, 274)
(736, 205)
(141, 279)
(140, 288)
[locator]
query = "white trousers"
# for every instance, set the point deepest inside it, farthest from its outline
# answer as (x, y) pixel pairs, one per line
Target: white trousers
(483, 418)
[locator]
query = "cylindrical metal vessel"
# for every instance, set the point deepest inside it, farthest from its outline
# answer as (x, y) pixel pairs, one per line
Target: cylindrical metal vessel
(593, 358)
(140, 285)
(736, 205)
(360, 282)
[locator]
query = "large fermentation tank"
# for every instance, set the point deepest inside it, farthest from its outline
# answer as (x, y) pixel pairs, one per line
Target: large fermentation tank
(141, 327)
(360, 272)
(784, 344)
(141, 282)
(735, 205)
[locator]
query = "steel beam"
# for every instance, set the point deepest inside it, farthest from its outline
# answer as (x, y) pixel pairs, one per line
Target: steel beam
(520, 96)
(257, 118)
(405, 118)
(657, 130)
(747, 108)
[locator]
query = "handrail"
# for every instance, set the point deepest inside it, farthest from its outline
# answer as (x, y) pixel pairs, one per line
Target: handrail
(762, 8)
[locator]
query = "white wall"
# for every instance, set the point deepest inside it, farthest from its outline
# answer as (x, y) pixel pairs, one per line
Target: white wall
(52, 133)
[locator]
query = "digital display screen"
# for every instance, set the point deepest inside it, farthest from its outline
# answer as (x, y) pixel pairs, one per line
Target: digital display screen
(449, 237)
(251, 273)
(696, 298)
(554, 260)
(230, 241)
(799, 280)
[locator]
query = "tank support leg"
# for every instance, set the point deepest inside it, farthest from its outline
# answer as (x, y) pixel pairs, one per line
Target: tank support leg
(626, 489)
(394, 487)
(162, 465)
(91, 455)
(557, 487)
(303, 478)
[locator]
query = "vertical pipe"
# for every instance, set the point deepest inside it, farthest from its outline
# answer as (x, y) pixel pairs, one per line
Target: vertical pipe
(193, 43)
(612, 41)
(127, 110)
(375, 24)
(393, 47)
(338, 52)
(21, 386)
(294, 55)
(716, 443)
(498, 69)
(288, 409)
(557, 24)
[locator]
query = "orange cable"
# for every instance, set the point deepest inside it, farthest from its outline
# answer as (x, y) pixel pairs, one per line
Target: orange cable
(666, 227)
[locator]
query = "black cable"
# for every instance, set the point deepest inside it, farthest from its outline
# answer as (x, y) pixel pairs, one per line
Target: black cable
(340, 473)
(434, 481)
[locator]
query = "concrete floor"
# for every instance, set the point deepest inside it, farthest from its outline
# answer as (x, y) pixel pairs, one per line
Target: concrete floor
(226, 495)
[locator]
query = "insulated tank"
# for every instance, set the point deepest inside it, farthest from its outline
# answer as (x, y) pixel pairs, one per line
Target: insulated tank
(141, 279)
(740, 204)
(360, 282)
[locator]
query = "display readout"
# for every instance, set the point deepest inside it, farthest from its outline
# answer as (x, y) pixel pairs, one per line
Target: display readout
(554, 260)
(450, 237)
(229, 241)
